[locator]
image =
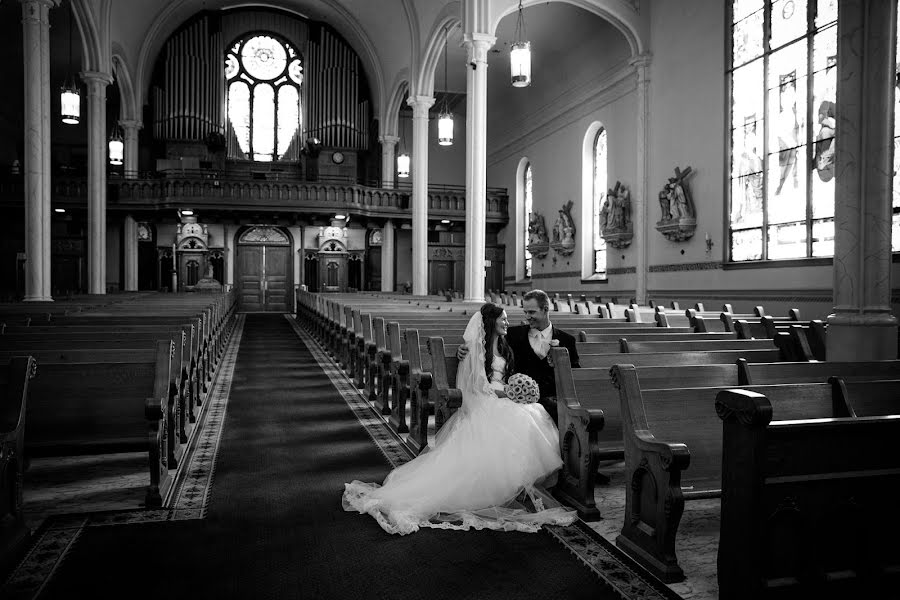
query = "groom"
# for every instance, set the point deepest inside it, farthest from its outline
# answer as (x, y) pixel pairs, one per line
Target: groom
(531, 343)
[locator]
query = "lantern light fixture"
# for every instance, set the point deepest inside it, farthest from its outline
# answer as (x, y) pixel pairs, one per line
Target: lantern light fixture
(402, 158)
(445, 119)
(520, 55)
(116, 147)
(69, 96)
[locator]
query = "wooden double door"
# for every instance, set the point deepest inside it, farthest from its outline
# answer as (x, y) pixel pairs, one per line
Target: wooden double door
(264, 277)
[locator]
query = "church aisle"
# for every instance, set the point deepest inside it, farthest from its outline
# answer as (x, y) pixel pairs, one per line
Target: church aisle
(274, 527)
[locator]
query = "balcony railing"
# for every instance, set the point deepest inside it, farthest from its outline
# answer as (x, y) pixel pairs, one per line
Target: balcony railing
(201, 189)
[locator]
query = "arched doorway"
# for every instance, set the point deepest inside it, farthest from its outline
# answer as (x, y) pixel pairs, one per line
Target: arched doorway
(264, 269)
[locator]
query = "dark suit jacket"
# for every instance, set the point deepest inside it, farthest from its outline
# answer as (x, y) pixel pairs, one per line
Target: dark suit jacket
(527, 362)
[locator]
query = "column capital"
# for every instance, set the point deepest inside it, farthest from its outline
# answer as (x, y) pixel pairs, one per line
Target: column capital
(35, 4)
(479, 39)
(131, 124)
(419, 103)
(477, 46)
(96, 77)
(389, 140)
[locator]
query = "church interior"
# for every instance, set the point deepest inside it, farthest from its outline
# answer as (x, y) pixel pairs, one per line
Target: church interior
(241, 243)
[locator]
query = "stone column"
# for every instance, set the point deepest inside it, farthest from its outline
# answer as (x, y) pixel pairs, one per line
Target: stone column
(97, 148)
(388, 161)
(642, 224)
(36, 36)
(388, 248)
(477, 46)
(862, 327)
(130, 139)
(419, 167)
(229, 255)
(130, 254)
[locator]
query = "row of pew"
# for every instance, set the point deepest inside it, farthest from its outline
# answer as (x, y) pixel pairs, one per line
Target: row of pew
(116, 377)
(687, 401)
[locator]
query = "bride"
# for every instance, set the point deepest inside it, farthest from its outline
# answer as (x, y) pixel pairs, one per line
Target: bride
(486, 454)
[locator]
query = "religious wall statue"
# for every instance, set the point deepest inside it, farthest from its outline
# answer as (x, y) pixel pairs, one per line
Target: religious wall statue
(538, 240)
(615, 222)
(678, 219)
(564, 231)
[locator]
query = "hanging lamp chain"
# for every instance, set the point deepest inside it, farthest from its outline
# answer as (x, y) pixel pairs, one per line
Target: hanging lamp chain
(520, 25)
(446, 52)
(69, 72)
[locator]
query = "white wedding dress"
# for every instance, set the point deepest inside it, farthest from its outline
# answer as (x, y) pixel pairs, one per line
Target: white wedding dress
(484, 456)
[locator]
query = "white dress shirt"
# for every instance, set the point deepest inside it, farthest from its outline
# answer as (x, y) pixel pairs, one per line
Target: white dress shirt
(540, 340)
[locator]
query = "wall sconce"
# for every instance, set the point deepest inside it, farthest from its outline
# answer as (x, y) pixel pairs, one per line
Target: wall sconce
(709, 244)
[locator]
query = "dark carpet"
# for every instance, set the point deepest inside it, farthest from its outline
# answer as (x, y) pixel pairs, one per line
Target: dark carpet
(275, 526)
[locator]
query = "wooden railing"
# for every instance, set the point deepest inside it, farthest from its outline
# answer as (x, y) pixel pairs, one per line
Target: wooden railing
(200, 190)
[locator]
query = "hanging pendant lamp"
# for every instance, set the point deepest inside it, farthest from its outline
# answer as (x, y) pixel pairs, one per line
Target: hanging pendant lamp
(403, 157)
(69, 97)
(445, 119)
(520, 55)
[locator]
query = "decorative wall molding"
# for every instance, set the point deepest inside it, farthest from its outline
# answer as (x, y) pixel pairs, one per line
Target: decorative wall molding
(556, 275)
(570, 106)
(621, 270)
(697, 266)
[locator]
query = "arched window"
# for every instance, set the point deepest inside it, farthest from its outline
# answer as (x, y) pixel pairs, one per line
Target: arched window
(783, 80)
(528, 198)
(600, 173)
(263, 75)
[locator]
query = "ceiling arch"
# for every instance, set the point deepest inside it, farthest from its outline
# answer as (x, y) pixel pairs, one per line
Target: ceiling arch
(624, 16)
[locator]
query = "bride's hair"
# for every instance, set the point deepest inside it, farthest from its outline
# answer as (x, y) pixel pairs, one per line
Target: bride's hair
(489, 314)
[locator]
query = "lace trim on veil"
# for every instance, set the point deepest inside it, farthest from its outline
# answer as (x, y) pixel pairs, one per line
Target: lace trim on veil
(498, 518)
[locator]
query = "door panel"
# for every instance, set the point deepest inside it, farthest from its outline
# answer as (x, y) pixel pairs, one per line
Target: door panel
(250, 278)
(441, 275)
(277, 260)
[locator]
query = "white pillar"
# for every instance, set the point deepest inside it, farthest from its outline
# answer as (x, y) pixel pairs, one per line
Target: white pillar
(388, 248)
(388, 160)
(862, 327)
(642, 223)
(420, 106)
(36, 32)
(477, 46)
(130, 254)
(97, 144)
(229, 256)
(130, 139)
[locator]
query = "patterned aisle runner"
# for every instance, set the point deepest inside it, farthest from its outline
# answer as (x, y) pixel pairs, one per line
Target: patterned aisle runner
(587, 545)
(188, 501)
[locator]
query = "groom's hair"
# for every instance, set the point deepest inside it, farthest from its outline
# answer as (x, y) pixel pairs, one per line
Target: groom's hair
(541, 296)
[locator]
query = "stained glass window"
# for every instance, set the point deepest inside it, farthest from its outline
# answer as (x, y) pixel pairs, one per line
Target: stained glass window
(264, 74)
(600, 186)
(528, 205)
(895, 218)
(783, 87)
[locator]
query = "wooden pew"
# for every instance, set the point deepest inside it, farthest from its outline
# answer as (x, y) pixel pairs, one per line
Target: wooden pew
(401, 371)
(808, 506)
(590, 419)
(680, 346)
(443, 395)
(15, 377)
(667, 431)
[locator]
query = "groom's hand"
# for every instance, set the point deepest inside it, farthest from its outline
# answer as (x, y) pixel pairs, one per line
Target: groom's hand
(462, 351)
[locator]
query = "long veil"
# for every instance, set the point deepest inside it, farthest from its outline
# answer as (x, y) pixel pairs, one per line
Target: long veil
(471, 378)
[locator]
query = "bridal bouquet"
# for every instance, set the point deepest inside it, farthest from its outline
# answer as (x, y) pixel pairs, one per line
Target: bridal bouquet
(522, 389)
